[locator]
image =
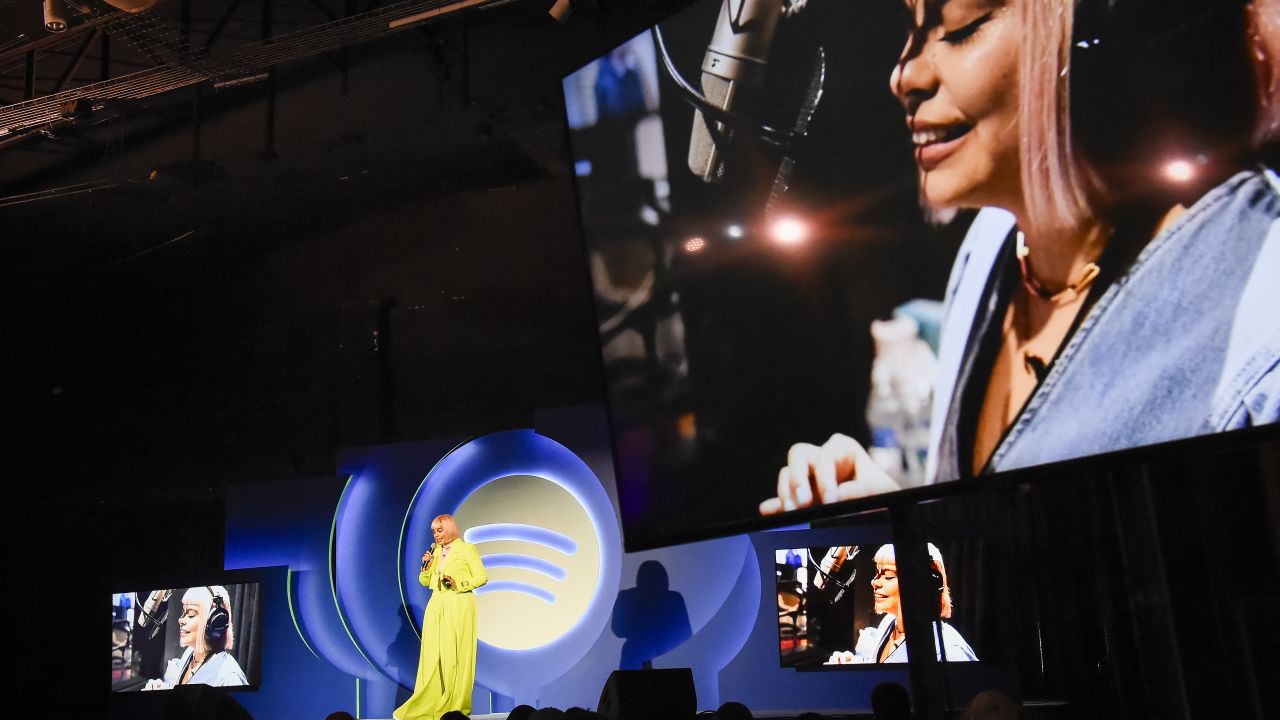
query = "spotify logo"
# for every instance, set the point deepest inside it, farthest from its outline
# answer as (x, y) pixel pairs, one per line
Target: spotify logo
(550, 542)
(540, 549)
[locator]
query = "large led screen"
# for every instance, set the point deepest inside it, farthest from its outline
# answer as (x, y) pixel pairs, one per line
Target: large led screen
(840, 249)
(200, 635)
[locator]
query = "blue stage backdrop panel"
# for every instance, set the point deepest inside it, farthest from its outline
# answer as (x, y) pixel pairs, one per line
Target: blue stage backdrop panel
(288, 524)
(353, 546)
(370, 518)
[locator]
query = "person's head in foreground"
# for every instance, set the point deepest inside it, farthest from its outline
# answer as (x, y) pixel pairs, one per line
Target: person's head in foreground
(890, 701)
(733, 711)
(520, 712)
(993, 705)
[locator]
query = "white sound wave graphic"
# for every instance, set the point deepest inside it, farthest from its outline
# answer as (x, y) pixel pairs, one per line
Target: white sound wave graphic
(542, 552)
(523, 533)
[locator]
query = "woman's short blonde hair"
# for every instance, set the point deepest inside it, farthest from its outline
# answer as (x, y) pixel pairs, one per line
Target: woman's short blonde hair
(447, 524)
(202, 597)
(886, 556)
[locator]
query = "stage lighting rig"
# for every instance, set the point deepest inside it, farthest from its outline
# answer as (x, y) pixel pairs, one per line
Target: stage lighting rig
(55, 19)
(132, 6)
(560, 10)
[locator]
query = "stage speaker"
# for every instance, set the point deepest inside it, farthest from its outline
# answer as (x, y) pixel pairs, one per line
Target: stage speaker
(649, 695)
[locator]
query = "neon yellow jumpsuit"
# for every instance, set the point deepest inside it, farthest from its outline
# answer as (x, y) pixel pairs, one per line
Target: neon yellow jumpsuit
(447, 665)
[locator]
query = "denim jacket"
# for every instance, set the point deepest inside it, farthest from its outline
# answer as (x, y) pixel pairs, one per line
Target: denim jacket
(1185, 343)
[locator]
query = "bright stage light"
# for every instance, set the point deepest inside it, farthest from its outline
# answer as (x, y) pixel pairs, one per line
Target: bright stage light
(694, 244)
(789, 231)
(735, 231)
(1180, 170)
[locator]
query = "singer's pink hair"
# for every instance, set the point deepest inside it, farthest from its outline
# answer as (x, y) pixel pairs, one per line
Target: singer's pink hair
(1056, 182)
(1057, 185)
(447, 524)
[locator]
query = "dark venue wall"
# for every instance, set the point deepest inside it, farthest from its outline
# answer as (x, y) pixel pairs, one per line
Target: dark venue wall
(210, 287)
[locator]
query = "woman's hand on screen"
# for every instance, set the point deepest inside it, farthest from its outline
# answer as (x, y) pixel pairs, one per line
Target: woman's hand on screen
(839, 469)
(156, 684)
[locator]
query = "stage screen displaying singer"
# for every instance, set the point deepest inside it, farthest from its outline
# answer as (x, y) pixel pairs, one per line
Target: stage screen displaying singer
(204, 634)
(928, 240)
(840, 607)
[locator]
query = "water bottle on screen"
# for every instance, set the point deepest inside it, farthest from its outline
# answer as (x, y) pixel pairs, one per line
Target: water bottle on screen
(898, 408)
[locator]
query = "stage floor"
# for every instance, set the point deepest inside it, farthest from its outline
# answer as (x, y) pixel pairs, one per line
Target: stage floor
(1031, 711)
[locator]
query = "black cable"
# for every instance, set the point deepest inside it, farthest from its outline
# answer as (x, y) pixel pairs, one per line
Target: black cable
(699, 101)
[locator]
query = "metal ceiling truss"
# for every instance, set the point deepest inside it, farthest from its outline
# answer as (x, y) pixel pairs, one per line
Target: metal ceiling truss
(179, 64)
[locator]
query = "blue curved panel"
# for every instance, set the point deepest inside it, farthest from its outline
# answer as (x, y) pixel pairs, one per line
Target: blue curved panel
(724, 635)
(319, 615)
(276, 524)
(366, 558)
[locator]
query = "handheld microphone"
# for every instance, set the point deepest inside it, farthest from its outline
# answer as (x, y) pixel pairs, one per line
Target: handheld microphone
(154, 612)
(430, 553)
(732, 69)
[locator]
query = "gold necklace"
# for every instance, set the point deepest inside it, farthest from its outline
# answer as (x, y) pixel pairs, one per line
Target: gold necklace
(1032, 285)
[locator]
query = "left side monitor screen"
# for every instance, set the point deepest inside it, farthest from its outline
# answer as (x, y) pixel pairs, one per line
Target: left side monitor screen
(204, 634)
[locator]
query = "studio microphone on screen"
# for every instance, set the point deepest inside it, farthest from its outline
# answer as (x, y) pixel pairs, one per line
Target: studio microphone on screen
(732, 71)
(837, 571)
(430, 552)
(154, 612)
(830, 565)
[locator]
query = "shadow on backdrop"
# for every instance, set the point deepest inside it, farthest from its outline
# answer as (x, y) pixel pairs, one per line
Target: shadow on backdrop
(650, 618)
(406, 645)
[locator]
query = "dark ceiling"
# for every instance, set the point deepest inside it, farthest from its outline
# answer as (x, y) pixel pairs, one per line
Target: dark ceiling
(227, 284)
(222, 284)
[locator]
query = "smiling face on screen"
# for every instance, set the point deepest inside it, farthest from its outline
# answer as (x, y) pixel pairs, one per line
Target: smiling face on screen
(884, 590)
(957, 80)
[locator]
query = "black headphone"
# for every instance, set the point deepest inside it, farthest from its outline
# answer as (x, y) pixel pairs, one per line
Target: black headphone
(217, 624)
(1152, 80)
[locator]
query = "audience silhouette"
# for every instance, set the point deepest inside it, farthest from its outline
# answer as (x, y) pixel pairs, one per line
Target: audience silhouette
(733, 711)
(890, 701)
(520, 712)
(993, 705)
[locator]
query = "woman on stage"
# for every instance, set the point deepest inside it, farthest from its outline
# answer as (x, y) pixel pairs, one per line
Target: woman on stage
(447, 664)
